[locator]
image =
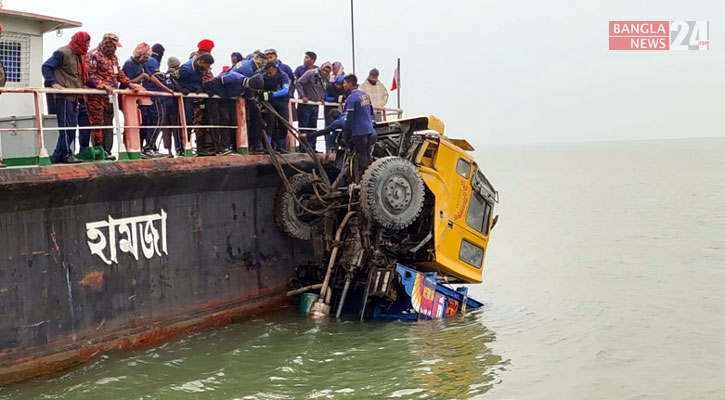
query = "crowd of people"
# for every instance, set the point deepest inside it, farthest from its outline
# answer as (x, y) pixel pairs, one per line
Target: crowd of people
(259, 77)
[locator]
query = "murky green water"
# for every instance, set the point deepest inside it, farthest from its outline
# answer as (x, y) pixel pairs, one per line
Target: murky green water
(285, 356)
(605, 279)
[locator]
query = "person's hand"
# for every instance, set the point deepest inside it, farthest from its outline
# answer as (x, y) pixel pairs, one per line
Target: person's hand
(136, 87)
(57, 86)
(145, 76)
(303, 136)
(305, 99)
(107, 88)
(169, 91)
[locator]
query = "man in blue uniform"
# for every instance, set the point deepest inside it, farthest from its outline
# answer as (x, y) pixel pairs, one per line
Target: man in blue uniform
(359, 129)
(189, 77)
(255, 124)
(276, 86)
(233, 84)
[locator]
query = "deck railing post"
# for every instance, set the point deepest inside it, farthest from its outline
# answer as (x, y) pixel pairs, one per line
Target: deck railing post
(122, 153)
(184, 128)
(242, 138)
(292, 144)
(131, 121)
(43, 158)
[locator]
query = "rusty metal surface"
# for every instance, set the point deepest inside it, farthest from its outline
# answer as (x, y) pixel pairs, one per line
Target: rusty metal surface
(61, 304)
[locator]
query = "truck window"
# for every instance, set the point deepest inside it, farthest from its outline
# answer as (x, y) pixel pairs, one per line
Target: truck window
(463, 168)
(479, 213)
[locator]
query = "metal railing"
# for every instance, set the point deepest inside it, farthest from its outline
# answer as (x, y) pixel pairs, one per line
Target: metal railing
(127, 133)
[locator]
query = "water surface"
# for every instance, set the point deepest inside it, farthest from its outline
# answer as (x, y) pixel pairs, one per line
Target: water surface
(605, 279)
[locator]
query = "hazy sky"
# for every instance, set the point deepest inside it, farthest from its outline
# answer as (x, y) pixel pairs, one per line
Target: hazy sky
(496, 72)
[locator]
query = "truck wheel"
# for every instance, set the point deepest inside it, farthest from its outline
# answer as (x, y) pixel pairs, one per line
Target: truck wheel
(392, 192)
(290, 217)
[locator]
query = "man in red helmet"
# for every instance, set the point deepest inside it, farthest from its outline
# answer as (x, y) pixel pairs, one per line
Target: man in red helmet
(204, 46)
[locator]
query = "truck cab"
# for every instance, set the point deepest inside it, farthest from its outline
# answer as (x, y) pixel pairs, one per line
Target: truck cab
(459, 201)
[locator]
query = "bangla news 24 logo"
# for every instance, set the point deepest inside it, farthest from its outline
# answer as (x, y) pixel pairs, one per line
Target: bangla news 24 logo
(659, 35)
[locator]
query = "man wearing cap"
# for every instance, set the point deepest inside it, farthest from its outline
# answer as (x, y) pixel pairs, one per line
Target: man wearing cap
(205, 46)
(272, 57)
(138, 71)
(67, 68)
(105, 74)
(190, 77)
(311, 87)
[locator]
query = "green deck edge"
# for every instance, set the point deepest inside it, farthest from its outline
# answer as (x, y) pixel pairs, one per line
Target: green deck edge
(20, 161)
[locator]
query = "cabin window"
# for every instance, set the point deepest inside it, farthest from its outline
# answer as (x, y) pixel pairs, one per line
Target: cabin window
(15, 55)
(463, 168)
(479, 213)
(471, 253)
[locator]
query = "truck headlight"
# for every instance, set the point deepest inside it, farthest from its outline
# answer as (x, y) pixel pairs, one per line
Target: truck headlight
(471, 254)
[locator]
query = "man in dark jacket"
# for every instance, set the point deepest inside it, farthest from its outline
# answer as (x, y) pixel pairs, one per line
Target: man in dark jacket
(67, 68)
(190, 76)
(276, 86)
(359, 131)
(250, 67)
(232, 84)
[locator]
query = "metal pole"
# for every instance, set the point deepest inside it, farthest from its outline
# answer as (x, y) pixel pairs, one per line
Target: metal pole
(352, 26)
(398, 79)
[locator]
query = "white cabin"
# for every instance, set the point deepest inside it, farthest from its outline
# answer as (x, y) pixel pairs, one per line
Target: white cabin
(21, 51)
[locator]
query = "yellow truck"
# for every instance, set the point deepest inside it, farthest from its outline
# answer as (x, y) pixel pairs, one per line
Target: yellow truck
(423, 202)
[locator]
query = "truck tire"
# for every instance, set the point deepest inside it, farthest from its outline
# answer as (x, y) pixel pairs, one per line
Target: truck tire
(287, 212)
(392, 192)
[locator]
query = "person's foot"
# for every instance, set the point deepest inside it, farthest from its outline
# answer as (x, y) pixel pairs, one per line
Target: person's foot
(109, 156)
(147, 153)
(225, 152)
(169, 155)
(282, 151)
(203, 153)
(70, 159)
(256, 150)
(2, 165)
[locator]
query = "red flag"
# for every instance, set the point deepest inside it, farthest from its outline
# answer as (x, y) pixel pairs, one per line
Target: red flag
(396, 79)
